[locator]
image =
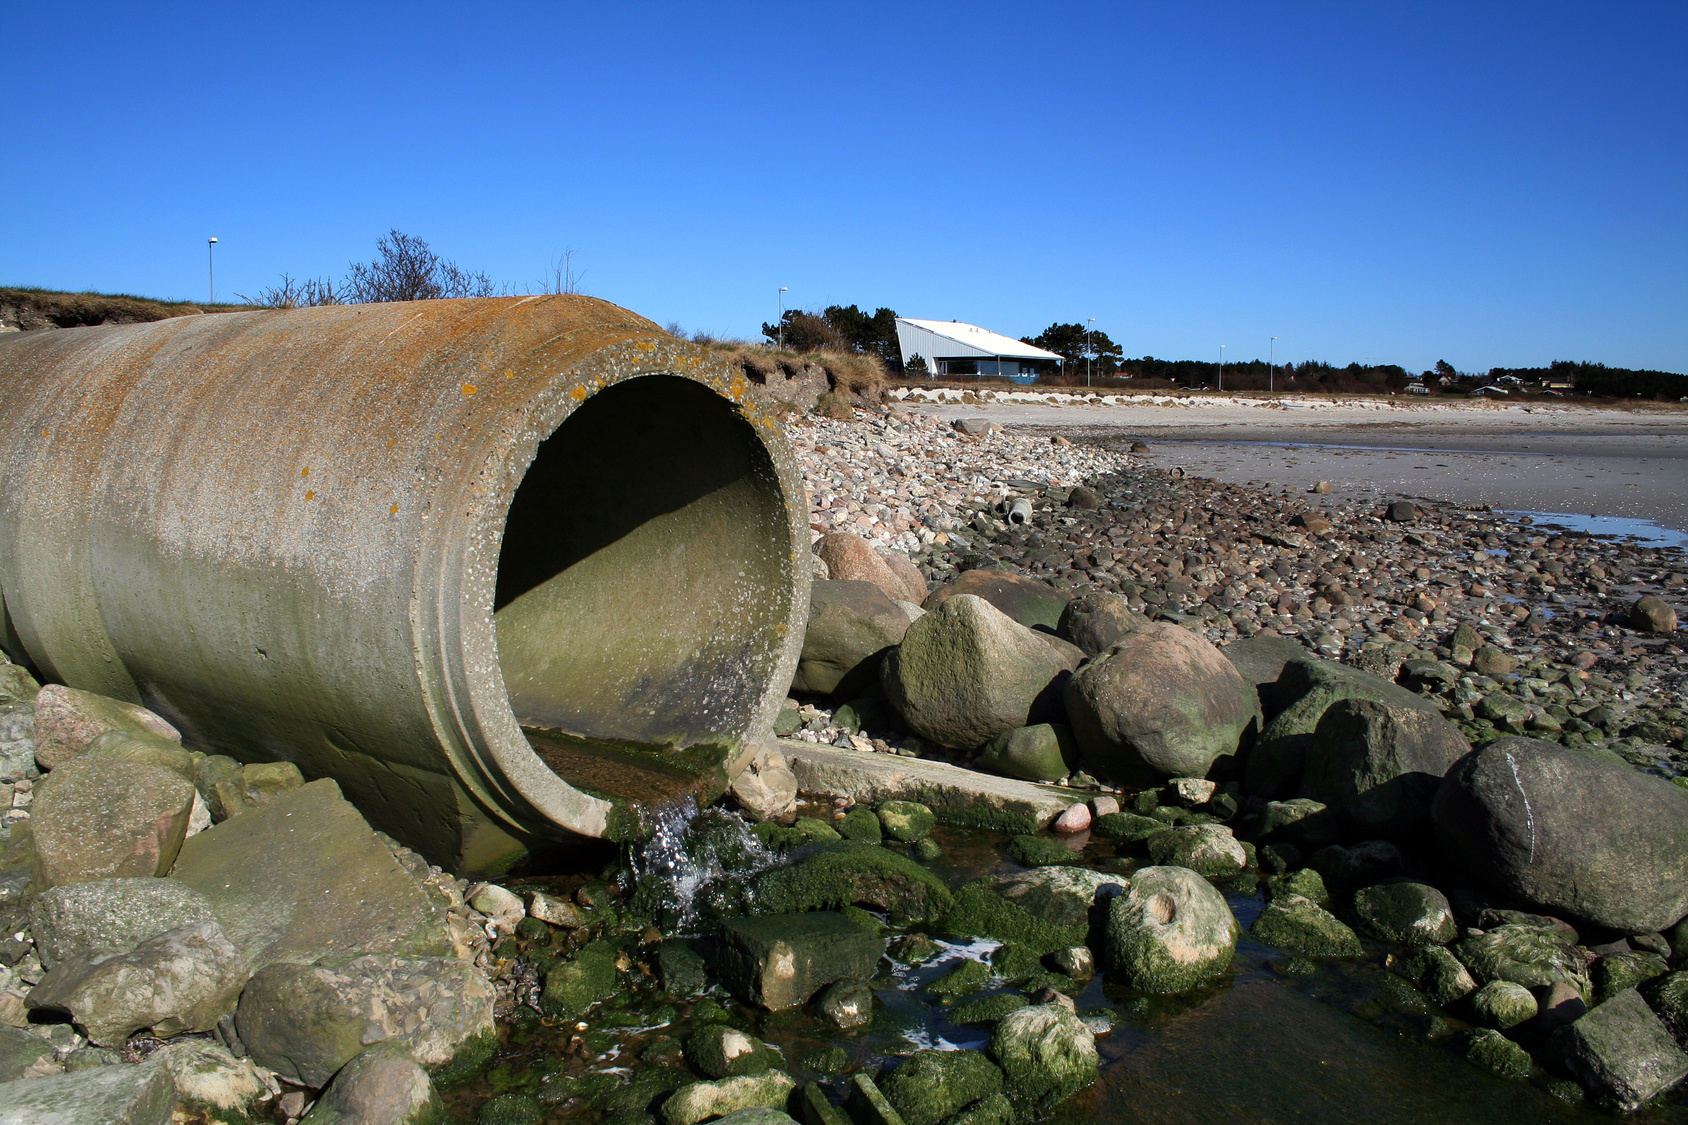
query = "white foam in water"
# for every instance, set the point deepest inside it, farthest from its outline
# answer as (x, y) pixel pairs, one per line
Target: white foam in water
(664, 866)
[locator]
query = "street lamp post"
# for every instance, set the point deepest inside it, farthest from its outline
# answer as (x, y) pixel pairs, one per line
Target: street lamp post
(211, 269)
(1271, 363)
(1221, 368)
(1089, 348)
(779, 321)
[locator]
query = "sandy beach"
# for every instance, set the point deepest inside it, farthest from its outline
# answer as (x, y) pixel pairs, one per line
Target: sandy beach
(1608, 462)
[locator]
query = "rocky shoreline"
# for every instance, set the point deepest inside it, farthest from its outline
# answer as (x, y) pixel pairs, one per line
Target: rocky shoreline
(1438, 743)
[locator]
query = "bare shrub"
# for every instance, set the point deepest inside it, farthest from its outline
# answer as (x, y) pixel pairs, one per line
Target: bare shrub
(295, 294)
(406, 269)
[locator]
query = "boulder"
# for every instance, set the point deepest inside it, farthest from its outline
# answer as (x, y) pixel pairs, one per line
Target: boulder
(1303, 926)
(1046, 1053)
(915, 588)
(107, 1095)
(1206, 849)
(931, 1086)
(1027, 600)
(21, 1051)
(1161, 703)
(574, 986)
(766, 788)
(699, 1101)
(1503, 1004)
(1097, 621)
(1410, 914)
(305, 1022)
(1359, 865)
(1300, 820)
(1305, 690)
(1621, 1052)
(1170, 931)
(111, 915)
(104, 818)
(846, 1004)
(144, 747)
(851, 626)
(850, 558)
(1617, 972)
(833, 876)
(1379, 766)
(1569, 832)
(1494, 1052)
(185, 979)
(250, 786)
(1061, 896)
(383, 1085)
(1438, 973)
(1526, 955)
(781, 961)
(905, 821)
(17, 687)
(1043, 752)
(304, 877)
(1041, 851)
(210, 1082)
(1261, 660)
(1652, 614)
(717, 1051)
(966, 672)
(66, 720)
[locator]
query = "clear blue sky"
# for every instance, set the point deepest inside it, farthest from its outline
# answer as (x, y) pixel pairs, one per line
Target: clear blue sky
(1494, 184)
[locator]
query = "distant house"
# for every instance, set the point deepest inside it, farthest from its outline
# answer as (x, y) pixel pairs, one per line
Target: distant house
(1417, 388)
(1481, 392)
(950, 347)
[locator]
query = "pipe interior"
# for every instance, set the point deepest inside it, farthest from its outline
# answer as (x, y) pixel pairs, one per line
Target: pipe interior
(644, 572)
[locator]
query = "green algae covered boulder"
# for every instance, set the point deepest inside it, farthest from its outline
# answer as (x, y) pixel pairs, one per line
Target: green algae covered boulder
(1524, 955)
(1170, 931)
(977, 910)
(1303, 926)
(905, 821)
(574, 986)
(1413, 914)
(1497, 1054)
(717, 1051)
(833, 876)
(1047, 1054)
(931, 1086)
(1042, 851)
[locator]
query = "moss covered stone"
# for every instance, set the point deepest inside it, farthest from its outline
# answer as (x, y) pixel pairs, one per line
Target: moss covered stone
(963, 980)
(1041, 851)
(806, 830)
(1129, 827)
(514, 1108)
(699, 1101)
(1617, 971)
(1438, 972)
(861, 825)
(1307, 883)
(1206, 849)
(978, 911)
(830, 876)
(1170, 931)
(931, 1086)
(1525, 955)
(1500, 1004)
(781, 961)
(987, 1009)
(1414, 914)
(1303, 926)
(1015, 962)
(574, 986)
(1668, 997)
(1497, 1054)
(994, 1110)
(1046, 1053)
(926, 849)
(905, 821)
(725, 1052)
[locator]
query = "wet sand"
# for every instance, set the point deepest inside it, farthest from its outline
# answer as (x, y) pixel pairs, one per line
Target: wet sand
(1603, 462)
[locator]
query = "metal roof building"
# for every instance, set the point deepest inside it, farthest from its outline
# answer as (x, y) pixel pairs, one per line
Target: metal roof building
(950, 347)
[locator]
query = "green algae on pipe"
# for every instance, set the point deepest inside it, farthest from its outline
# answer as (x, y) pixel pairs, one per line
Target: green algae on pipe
(498, 566)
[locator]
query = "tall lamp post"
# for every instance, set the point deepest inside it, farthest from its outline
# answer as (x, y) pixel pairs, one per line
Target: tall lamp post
(1222, 367)
(1089, 348)
(779, 321)
(1271, 363)
(211, 269)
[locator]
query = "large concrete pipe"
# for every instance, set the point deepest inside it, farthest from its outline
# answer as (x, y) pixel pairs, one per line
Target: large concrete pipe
(498, 566)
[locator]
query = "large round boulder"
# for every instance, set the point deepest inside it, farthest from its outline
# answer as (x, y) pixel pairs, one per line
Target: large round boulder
(1161, 703)
(1569, 832)
(1379, 766)
(851, 558)
(1170, 931)
(1026, 600)
(966, 672)
(1046, 1053)
(851, 626)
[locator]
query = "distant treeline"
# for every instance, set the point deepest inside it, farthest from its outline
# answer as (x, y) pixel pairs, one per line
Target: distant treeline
(1258, 375)
(1598, 379)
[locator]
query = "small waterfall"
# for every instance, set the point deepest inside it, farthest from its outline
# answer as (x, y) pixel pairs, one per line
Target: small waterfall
(685, 852)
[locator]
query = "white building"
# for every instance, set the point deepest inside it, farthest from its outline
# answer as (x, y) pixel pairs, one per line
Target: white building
(950, 347)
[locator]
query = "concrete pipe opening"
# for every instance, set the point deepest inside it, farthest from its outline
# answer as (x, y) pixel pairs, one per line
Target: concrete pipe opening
(637, 590)
(500, 567)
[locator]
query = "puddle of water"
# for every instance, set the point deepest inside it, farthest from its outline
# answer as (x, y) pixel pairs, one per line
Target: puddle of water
(1648, 533)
